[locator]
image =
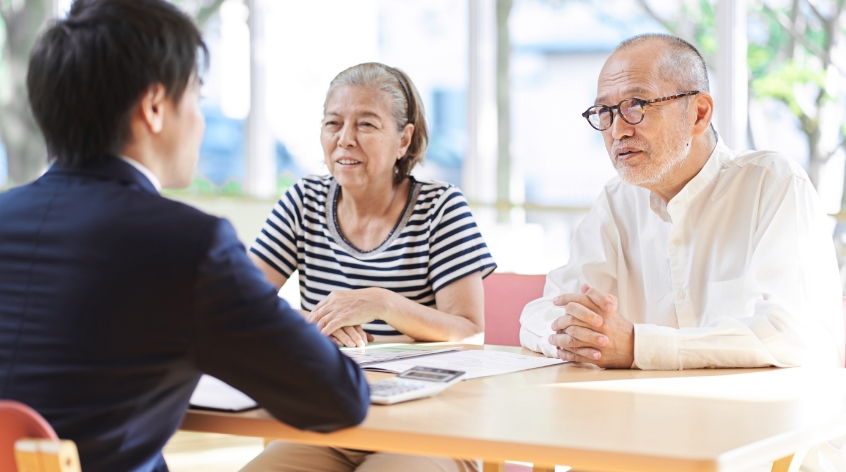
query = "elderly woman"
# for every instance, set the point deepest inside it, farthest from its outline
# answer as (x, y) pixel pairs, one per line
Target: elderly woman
(381, 255)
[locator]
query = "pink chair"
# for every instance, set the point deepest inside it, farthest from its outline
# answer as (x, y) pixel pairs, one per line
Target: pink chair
(18, 421)
(505, 297)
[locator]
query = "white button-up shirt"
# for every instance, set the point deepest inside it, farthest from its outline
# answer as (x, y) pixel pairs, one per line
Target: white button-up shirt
(144, 171)
(738, 270)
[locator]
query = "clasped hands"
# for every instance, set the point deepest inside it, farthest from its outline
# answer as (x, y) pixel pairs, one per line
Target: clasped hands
(341, 314)
(592, 331)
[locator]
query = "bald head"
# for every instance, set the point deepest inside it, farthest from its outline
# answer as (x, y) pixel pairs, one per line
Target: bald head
(677, 62)
(667, 136)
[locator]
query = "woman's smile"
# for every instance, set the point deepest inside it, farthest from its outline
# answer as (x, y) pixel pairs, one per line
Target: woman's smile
(346, 162)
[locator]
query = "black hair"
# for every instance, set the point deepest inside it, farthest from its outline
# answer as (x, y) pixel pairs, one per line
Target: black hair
(88, 72)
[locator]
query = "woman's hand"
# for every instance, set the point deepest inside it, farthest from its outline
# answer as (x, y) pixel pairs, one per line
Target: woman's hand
(348, 308)
(351, 336)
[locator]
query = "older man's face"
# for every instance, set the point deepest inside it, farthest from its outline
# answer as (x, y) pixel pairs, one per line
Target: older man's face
(649, 153)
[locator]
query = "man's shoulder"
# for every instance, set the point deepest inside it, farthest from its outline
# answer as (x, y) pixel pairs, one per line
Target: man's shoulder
(184, 212)
(776, 165)
(99, 207)
(164, 220)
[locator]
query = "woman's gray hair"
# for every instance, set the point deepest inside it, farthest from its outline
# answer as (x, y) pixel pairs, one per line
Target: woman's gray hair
(405, 106)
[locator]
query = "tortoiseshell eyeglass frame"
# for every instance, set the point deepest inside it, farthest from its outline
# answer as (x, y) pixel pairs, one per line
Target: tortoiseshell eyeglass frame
(642, 103)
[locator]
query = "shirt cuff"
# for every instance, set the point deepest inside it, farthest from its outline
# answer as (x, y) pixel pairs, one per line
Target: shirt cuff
(656, 347)
(537, 343)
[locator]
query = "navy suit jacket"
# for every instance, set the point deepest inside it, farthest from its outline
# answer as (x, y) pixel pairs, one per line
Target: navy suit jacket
(113, 301)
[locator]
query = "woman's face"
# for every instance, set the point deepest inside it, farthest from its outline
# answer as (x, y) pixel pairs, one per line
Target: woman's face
(360, 140)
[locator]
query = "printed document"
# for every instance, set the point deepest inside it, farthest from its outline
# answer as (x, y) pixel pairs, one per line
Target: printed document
(377, 352)
(214, 394)
(475, 363)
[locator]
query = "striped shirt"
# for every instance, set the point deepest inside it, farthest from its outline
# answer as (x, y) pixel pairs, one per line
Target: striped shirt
(434, 243)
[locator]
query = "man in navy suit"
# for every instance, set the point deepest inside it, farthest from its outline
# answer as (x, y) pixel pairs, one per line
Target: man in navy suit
(113, 299)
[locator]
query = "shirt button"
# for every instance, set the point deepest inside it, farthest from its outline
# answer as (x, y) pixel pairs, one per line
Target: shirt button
(676, 241)
(680, 295)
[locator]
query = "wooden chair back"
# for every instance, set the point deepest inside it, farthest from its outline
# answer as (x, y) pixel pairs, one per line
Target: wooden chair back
(29, 444)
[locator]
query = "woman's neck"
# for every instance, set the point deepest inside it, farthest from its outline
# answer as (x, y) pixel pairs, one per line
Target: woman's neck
(366, 218)
(373, 202)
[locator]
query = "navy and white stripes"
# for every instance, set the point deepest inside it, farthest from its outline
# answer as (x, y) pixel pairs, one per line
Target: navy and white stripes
(435, 242)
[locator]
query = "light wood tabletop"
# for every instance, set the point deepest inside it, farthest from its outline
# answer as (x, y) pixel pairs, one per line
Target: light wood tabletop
(592, 419)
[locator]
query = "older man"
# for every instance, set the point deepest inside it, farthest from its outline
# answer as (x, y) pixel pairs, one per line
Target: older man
(697, 255)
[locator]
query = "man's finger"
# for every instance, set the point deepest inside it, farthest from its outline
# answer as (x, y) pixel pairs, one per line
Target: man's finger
(587, 336)
(566, 298)
(566, 355)
(563, 322)
(592, 355)
(589, 317)
(606, 302)
(565, 341)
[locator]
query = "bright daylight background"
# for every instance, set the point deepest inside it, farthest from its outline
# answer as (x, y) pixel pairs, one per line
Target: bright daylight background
(448, 47)
(558, 162)
(272, 60)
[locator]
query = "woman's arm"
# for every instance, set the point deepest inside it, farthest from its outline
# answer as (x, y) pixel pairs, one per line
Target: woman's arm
(270, 274)
(460, 312)
(458, 316)
(352, 336)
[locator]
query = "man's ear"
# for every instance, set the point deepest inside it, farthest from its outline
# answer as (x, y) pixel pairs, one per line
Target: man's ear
(151, 108)
(703, 104)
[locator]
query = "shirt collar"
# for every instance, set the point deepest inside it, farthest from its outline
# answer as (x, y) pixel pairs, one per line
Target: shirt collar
(709, 172)
(145, 171)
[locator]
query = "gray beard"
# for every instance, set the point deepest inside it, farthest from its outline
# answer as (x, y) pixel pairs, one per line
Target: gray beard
(676, 156)
(662, 174)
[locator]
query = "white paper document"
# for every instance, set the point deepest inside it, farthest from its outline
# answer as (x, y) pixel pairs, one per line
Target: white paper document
(215, 394)
(374, 353)
(475, 363)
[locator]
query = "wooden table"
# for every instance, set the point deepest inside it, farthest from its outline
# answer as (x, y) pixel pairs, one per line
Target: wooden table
(591, 419)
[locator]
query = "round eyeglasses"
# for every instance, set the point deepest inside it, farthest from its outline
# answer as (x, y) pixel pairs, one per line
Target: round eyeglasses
(600, 117)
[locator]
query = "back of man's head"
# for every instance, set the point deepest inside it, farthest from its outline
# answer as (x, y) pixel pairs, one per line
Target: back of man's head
(88, 72)
(678, 61)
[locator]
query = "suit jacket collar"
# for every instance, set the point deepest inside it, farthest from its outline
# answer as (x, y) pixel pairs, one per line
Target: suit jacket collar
(109, 167)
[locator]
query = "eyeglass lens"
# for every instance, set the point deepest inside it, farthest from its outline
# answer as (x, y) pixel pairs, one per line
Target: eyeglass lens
(601, 117)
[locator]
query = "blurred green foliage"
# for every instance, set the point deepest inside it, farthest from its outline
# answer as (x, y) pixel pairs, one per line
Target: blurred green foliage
(231, 188)
(789, 55)
(781, 83)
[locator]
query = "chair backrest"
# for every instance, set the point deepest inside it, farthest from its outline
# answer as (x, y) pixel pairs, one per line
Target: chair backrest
(18, 421)
(505, 297)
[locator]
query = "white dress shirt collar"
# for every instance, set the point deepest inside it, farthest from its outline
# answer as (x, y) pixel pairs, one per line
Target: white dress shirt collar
(145, 171)
(681, 201)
